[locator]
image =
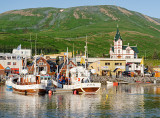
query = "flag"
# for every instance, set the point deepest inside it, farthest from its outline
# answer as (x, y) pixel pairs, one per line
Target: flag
(80, 53)
(82, 61)
(142, 67)
(73, 53)
(142, 61)
(19, 47)
(18, 57)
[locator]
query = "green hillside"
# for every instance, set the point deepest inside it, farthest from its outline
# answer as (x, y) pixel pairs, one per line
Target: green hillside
(58, 28)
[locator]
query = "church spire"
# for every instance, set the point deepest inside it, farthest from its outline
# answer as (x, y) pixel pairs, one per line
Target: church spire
(118, 36)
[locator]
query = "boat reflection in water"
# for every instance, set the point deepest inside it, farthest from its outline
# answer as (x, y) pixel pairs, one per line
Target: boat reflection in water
(114, 101)
(77, 105)
(20, 105)
(126, 99)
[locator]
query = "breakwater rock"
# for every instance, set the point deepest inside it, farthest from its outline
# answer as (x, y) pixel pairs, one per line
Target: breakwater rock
(104, 79)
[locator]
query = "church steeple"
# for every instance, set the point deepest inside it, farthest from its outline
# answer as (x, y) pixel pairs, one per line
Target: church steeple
(118, 36)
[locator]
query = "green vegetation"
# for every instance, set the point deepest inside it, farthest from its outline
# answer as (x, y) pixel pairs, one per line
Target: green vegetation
(56, 30)
(151, 63)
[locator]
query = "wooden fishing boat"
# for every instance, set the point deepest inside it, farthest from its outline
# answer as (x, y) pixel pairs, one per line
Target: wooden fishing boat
(9, 80)
(79, 80)
(29, 85)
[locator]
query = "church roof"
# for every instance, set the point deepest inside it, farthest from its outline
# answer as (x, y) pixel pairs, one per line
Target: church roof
(113, 48)
(118, 36)
(134, 48)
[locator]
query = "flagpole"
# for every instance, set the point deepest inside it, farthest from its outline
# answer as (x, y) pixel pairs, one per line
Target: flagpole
(20, 59)
(74, 59)
(142, 66)
(73, 50)
(67, 63)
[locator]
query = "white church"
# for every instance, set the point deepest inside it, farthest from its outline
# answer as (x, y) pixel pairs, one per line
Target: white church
(120, 51)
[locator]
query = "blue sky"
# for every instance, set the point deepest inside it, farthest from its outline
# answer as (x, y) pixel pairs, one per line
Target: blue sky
(147, 7)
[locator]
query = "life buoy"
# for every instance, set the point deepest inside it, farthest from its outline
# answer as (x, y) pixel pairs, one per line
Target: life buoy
(79, 79)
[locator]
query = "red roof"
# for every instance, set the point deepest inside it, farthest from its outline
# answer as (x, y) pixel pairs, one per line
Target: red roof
(1, 67)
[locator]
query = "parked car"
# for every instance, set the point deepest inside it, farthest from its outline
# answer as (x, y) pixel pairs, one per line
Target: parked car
(126, 73)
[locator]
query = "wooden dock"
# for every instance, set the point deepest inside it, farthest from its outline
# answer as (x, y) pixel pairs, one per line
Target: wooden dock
(60, 90)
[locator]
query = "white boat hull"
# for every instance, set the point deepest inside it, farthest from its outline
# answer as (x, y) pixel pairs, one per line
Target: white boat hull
(80, 87)
(87, 87)
(29, 89)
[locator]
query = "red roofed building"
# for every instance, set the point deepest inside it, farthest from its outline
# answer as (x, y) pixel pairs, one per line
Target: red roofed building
(2, 70)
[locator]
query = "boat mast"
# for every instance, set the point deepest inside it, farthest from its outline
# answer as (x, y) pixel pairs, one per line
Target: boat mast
(67, 64)
(35, 57)
(86, 53)
(74, 58)
(67, 72)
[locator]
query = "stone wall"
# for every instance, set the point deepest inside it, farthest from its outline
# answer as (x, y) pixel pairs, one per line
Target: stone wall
(104, 79)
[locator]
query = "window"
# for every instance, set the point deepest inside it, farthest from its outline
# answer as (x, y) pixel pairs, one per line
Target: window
(137, 65)
(121, 64)
(41, 63)
(116, 63)
(128, 57)
(107, 63)
(8, 57)
(13, 57)
(2, 58)
(8, 63)
(127, 51)
(14, 63)
(118, 51)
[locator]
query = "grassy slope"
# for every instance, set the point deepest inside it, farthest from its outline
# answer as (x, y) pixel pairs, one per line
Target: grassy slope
(56, 30)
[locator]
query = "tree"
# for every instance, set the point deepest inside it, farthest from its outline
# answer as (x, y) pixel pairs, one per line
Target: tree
(57, 60)
(155, 55)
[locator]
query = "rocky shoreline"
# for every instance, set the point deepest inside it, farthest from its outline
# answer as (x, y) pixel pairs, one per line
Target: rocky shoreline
(104, 79)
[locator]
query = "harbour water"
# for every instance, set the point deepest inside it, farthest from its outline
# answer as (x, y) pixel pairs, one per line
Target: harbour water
(121, 101)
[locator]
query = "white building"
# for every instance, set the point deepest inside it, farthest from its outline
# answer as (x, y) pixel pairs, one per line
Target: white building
(25, 53)
(133, 65)
(11, 62)
(120, 51)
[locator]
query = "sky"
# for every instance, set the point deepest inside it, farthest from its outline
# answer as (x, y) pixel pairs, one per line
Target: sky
(146, 7)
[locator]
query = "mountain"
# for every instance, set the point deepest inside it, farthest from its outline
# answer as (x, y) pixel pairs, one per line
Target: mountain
(59, 28)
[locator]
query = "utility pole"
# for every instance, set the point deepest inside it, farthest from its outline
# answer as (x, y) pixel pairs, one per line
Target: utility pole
(31, 43)
(145, 54)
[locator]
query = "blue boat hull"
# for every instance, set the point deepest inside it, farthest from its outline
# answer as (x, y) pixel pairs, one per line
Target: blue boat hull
(9, 87)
